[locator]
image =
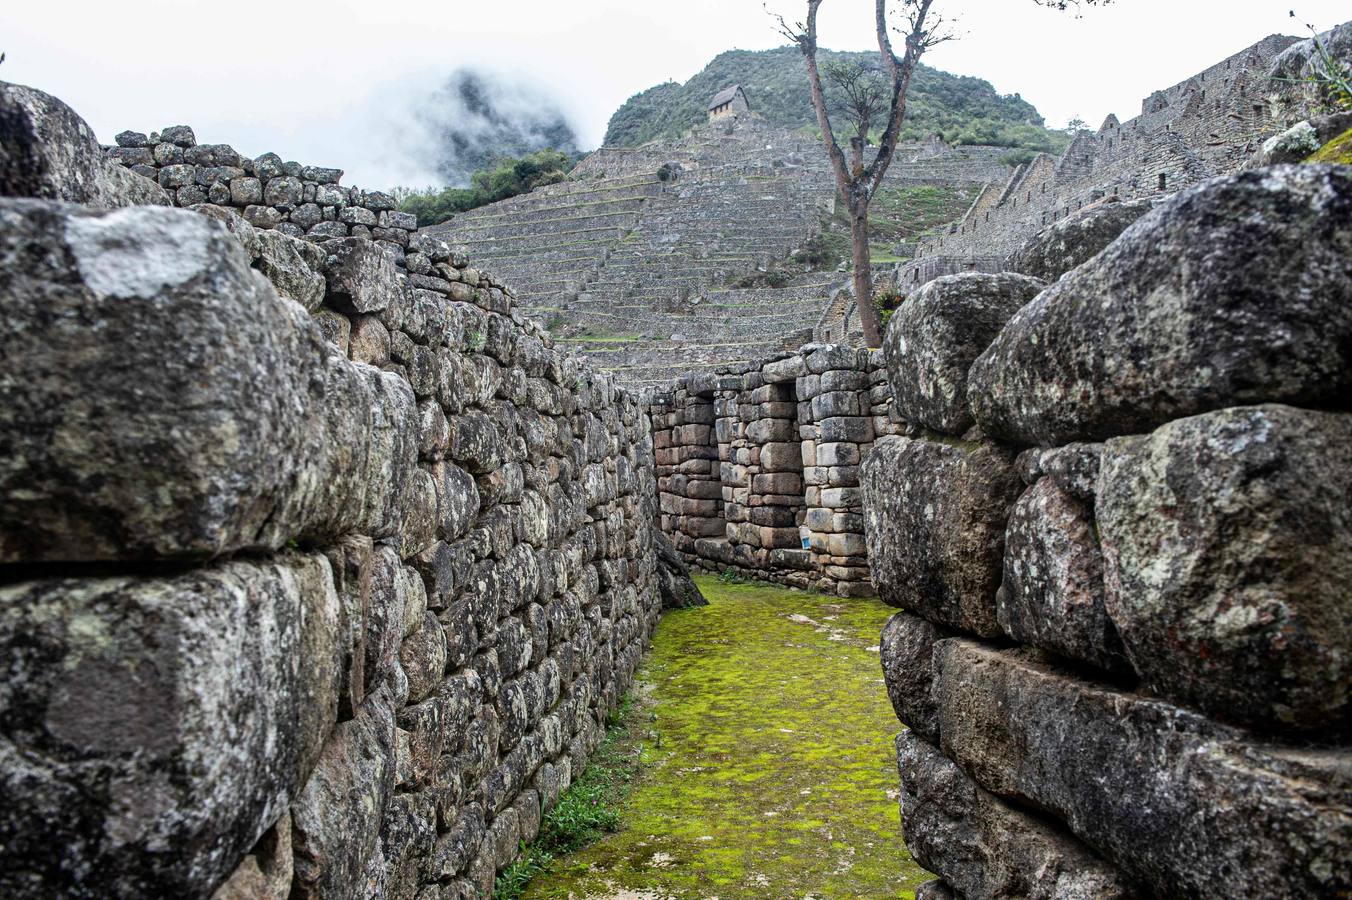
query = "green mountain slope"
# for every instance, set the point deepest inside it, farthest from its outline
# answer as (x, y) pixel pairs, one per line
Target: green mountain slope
(960, 109)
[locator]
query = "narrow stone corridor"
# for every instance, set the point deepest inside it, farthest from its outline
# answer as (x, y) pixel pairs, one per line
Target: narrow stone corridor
(768, 765)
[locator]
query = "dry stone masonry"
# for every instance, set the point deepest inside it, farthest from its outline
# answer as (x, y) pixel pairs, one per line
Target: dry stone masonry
(1211, 124)
(758, 466)
(1121, 532)
(322, 568)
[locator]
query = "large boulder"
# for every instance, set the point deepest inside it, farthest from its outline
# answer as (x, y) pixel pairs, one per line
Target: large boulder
(1076, 239)
(1184, 806)
(1052, 593)
(151, 728)
(674, 584)
(1227, 539)
(986, 848)
(933, 338)
(934, 516)
(158, 399)
(48, 151)
(1236, 291)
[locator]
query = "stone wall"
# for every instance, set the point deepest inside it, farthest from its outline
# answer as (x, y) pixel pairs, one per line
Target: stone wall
(320, 576)
(1122, 537)
(298, 200)
(758, 465)
(1208, 125)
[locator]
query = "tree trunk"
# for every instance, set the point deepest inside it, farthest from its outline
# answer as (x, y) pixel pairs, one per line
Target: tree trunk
(863, 276)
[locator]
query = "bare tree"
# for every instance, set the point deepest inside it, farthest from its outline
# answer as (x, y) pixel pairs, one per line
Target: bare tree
(857, 181)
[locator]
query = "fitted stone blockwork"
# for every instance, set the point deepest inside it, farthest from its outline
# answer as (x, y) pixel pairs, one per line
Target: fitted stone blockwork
(322, 574)
(934, 337)
(1173, 722)
(204, 415)
(758, 466)
(935, 515)
(1188, 807)
(1228, 542)
(1153, 328)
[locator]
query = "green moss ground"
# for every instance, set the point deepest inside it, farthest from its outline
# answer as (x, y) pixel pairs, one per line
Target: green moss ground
(767, 761)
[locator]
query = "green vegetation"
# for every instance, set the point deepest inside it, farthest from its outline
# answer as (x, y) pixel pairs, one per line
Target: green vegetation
(767, 764)
(960, 109)
(588, 809)
(509, 177)
(906, 213)
(774, 278)
(897, 214)
(1338, 150)
(887, 300)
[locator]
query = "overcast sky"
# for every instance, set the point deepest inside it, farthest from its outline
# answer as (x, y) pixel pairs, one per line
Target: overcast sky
(332, 82)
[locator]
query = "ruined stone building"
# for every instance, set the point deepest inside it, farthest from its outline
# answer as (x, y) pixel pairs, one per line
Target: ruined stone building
(324, 563)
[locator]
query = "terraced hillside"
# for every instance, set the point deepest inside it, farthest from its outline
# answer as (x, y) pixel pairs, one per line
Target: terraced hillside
(636, 260)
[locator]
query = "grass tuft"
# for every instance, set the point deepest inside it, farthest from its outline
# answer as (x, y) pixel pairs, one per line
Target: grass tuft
(588, 810)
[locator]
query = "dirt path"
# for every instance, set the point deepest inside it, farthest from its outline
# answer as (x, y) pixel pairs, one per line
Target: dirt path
(768, 763)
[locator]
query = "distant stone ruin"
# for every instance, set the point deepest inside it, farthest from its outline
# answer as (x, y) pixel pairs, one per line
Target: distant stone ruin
(1205, 126)
(728, 103)
(758, 466)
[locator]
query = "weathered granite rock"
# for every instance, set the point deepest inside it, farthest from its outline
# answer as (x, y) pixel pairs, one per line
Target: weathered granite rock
(1076, 239)
(1052, 593)
(337, 816)
(1236, 291)
(265, 874)
(907, 650)
(1186, 807)
(151, 728)
(984, 847)
(933, 338)
(204, 414)
(674, 584)
(1227, 539)
(934, 515)
(295, 267)
(48, 151)
(362, 276)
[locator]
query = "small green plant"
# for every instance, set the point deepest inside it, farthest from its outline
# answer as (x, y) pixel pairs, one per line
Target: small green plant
(887, 300)
(586, 811)
(1017, 157)
(731, 576)
(1329, 78)
(513, 880)
(476, 340)
(771, 279)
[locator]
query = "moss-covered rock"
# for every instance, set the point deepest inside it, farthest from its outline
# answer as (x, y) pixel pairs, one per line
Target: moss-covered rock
(1338, 150)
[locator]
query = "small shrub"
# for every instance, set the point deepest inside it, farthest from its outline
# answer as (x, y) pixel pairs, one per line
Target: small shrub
(887, 300)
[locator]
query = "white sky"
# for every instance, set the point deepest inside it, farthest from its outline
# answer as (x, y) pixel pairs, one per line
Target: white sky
(328, 82)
